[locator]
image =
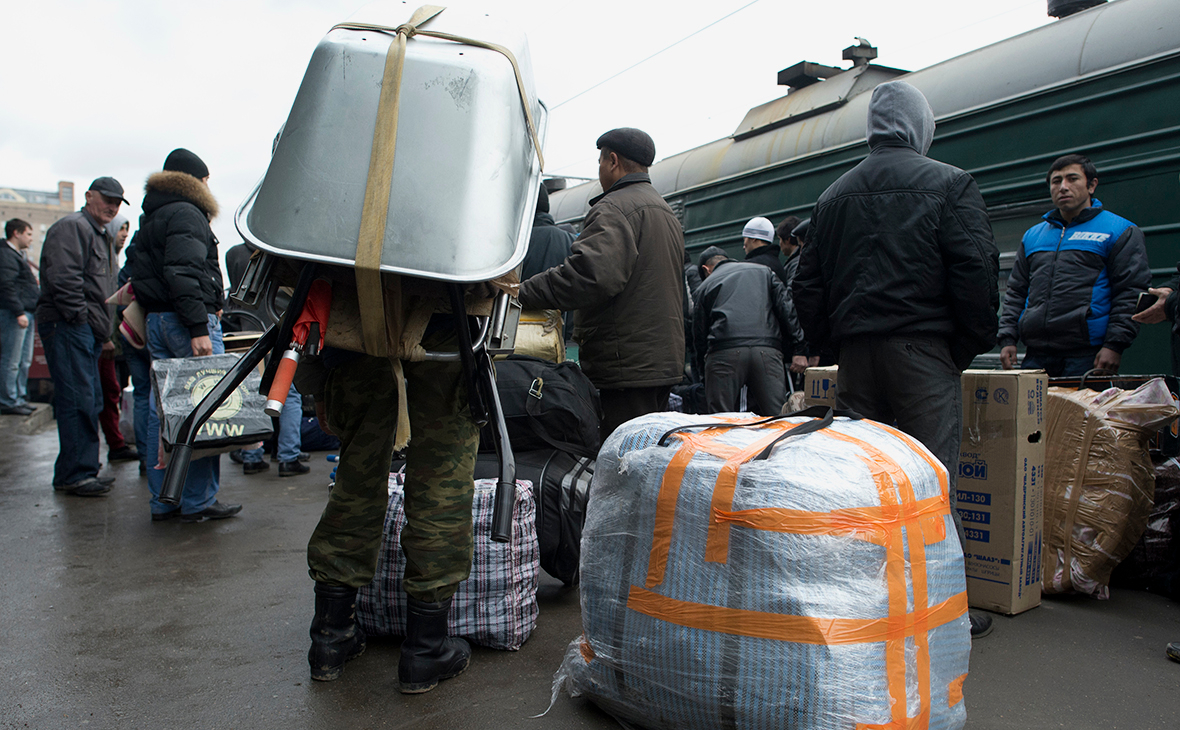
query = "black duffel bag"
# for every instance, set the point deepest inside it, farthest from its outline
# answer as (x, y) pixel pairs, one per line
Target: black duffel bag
(561, 488)
(547, 405)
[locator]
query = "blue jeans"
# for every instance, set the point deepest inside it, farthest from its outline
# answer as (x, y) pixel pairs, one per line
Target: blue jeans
(71, 352)
(16, 354)
(290, 435)
(168, 338)
(139, 363)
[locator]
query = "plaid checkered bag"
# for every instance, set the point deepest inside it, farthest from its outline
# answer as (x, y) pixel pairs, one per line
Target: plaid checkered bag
(496, 606)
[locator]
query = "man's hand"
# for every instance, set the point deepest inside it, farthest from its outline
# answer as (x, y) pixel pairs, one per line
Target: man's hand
(1108, 359)
(202, 346)
(1008, 357)
(22, 321)
(798, 364)
(108, 351)
(1155, 313)
(813, 361)
(321, 417)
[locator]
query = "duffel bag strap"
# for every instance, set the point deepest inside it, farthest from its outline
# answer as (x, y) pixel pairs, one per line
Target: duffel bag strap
(823, 414)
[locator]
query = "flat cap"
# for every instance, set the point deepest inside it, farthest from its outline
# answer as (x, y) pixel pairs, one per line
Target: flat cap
(634, 144)
(709, 253)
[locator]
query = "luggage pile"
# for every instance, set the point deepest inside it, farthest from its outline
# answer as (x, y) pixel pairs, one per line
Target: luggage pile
(766, 574)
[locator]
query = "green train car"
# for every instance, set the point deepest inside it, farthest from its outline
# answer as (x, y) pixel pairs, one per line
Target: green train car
(1104, 82)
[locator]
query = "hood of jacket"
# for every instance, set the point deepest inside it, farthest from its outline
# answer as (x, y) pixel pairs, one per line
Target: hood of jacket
(899, 115)
(169, 187)
(116, 223)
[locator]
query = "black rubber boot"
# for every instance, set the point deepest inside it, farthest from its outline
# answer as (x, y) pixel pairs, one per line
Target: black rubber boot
(428, 654)
(335, 637)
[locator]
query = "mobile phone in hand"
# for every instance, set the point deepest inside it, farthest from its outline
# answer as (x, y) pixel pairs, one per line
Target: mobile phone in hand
(1146, 299)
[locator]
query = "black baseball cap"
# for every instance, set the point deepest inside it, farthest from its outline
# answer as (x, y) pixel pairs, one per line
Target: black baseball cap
(109, 187)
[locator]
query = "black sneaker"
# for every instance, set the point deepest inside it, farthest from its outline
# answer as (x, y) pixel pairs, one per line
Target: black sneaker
(124, 454)
(107, 480)
(215, 511)
(17, 410)
(236, 456)
(291, 468)
(981, 624)
(89, 487)
(253, 467)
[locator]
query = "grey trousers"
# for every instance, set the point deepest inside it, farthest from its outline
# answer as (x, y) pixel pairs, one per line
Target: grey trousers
(910, 379)
(760, 369)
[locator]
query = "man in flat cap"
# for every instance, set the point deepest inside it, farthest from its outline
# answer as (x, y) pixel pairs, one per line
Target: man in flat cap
(77, 275)
(624, 278)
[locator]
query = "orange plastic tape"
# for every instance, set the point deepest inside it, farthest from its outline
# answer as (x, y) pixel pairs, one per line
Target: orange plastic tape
(586, 650)
(954, 693)
(872, 524)
(797, 629)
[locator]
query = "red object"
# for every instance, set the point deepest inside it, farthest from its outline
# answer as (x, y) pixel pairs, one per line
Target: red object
(39, 369)
(111, 392)
(315, 311)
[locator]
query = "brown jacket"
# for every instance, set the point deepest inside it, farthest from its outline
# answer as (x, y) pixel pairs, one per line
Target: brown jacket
(624, 276)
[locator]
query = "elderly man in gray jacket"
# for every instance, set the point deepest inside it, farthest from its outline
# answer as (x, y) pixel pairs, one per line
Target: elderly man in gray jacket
(78, 273)
(624, 278)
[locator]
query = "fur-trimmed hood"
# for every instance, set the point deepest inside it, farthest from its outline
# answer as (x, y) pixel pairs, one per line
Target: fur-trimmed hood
(168, 186)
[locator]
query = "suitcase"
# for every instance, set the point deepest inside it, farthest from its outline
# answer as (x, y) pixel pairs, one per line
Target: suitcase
(728, 582)
(496, 606)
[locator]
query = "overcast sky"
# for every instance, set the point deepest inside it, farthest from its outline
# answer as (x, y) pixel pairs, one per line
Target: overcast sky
(109, 88)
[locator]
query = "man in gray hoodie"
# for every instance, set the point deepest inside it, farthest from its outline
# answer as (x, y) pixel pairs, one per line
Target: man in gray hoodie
(900, 274)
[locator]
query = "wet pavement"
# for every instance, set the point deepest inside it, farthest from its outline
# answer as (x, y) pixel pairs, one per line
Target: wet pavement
(108, 620)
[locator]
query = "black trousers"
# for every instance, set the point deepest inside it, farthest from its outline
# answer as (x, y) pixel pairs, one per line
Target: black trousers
(620, 405)
(913, 381)
(760, 369)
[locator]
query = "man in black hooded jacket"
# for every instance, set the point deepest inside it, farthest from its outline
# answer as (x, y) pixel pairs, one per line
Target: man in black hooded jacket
(900, 273)
(177, 280)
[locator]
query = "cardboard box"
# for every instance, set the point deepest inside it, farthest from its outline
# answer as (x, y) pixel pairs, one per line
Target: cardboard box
(1001, 486)
(819, 386)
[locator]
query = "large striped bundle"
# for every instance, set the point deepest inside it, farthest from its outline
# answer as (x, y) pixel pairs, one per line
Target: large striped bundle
(821, 587)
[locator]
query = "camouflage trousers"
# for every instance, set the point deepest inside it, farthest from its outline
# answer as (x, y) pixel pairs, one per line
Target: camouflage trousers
(361, 402)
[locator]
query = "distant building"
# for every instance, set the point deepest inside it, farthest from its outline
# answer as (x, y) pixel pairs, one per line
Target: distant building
(38, 207)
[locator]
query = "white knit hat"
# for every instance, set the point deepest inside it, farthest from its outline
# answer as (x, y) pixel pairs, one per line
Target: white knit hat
(759, 228)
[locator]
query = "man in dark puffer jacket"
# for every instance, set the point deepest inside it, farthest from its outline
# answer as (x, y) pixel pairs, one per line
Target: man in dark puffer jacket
(177, 280)
(900, 273)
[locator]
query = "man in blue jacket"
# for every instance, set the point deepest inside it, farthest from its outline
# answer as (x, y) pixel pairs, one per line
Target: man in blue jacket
(1077, 275)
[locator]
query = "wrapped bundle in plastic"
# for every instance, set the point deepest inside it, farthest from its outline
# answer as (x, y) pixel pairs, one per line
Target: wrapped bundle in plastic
(496, 606)
(731, 579)
(1099, 481)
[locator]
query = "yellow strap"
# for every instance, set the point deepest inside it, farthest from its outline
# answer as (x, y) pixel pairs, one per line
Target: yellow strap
(375, 210)
(374, 213)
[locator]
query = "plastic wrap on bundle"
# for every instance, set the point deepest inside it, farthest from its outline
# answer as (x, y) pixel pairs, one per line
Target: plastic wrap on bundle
(1154, 563)
(496, 606)
(1099, 482)
(180, 383)
(822, 587)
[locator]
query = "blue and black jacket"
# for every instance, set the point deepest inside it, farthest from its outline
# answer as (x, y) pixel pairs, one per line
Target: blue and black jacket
(1073, 286)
